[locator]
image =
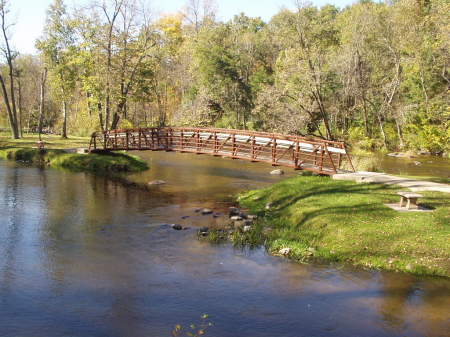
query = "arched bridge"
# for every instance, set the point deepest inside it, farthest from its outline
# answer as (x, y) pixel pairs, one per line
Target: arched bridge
(301, 153)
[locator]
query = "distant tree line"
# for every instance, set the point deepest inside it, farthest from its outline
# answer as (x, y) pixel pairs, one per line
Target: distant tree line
(374, 74)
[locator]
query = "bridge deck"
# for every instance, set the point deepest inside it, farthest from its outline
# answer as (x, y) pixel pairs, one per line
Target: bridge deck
(317, 155)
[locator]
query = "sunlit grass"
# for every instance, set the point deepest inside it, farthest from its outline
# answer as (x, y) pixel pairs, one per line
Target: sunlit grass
(51, 141)
(346, 221)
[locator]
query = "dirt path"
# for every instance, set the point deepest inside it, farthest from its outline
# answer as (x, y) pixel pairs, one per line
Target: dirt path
(382, 178)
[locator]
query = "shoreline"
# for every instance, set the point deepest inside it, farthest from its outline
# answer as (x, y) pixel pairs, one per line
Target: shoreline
(310, 218)
(103, 164)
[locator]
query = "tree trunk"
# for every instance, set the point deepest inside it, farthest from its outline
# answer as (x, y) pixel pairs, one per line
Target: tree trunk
(8, 109)
(115, 121)
(380, 122)
(64, 126)
(9, 56)
(41, 102)
(19, 117)
(399, 132)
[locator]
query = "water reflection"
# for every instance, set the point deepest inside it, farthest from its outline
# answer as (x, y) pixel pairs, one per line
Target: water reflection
(85, 256)
(428, 166)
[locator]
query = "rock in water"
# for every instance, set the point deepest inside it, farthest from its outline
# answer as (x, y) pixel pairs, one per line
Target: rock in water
(177, 227)
(204, 231)
(248, 223)
(252, 217)
(242, 215)
(277, 172)
(236, 218)
(157, 182)
(247, 228)
(206, 211)
(234, 211)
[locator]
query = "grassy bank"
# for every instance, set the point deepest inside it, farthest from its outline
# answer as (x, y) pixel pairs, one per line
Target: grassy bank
(54, 155)
(317, 217)
(51, 141)
(101, 164)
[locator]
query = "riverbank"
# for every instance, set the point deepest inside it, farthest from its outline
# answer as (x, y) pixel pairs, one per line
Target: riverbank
(56, 155)
(50, 141)
(98, 163)
(310, 217)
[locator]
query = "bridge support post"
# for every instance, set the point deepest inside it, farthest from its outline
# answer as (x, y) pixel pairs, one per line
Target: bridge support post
(274, 151)
(215, 143)
(139, 139)
(233, 154)
(296, 155)
(253, 148)
(198, 140)
(182, 140)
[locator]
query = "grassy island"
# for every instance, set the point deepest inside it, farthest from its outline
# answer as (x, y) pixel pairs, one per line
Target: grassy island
(320, 218)
(98, 163)
(56, 155)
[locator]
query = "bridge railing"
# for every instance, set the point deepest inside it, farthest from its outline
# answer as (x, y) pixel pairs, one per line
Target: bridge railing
(313, 154)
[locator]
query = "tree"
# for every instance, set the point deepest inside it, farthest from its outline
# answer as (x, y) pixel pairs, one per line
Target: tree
(9, 55)
(304, 79)
(58, 49)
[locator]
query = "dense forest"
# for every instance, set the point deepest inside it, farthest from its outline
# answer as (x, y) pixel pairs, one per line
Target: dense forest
(375, 74)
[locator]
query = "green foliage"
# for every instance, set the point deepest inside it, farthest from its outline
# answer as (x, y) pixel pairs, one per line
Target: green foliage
(359, 140)
(374, 73)
(431, 130)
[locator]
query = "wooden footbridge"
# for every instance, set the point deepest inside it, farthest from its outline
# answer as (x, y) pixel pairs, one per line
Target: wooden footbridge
(301, 153)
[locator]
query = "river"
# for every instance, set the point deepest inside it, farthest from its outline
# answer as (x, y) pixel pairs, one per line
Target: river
(85, 256)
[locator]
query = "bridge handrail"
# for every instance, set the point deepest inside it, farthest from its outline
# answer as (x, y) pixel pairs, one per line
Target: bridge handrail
(311, 139)
(323, 156)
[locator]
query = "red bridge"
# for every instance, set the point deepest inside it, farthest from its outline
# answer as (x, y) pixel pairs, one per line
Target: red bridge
(301, 153)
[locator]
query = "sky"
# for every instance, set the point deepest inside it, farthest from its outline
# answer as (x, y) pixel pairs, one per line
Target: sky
(29, 15)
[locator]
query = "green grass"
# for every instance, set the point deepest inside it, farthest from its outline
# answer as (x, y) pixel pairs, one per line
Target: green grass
(317, 217)
(100, 164)
(54, 155)
(51, 141)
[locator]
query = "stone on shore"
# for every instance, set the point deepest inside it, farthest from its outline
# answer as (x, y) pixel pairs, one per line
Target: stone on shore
(206, 211)
(277, 172)
(284, 251)
(203, 231)
(157, 182)
(233, 211)
(177, 227)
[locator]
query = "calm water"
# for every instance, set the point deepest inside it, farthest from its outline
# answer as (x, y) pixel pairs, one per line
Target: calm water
(428, 166)
(84, 256)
